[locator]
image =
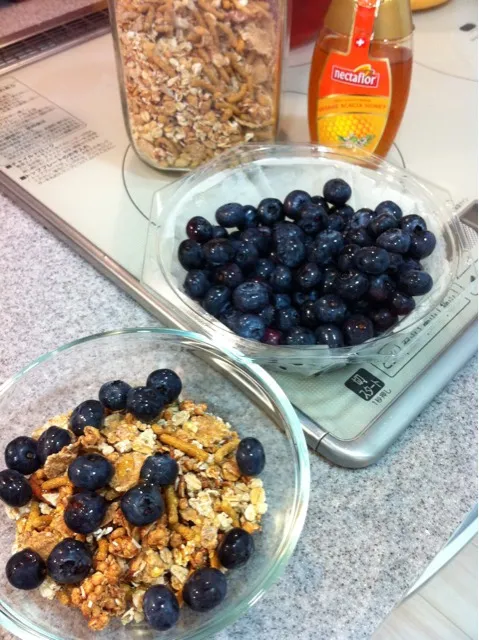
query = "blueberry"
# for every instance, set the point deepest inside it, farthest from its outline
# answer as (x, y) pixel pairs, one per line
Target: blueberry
(360, 237)
(113, 394)
(298, 298)
(346, 212)
(361, 219)
(413, 223)
(142, 505)
(161, 608)
(337, 191)
(345, 259)
(281, 279)
(14, 488)
(394, 240)
(396, 261)
(328, 284)
(382, 223)
(422, 244)
(250, 457)
(229, 317)
(320, 200)
(357, 329)
(308, 276)
(414, 283)
(361, 307)
(295, 202)
(272, 337)
(218, 232)
(218, 252)
(199, 229)
(26, 570)
(281, 300)
(410, 264)
(312, 219)
(300, 336)
(320, 251)
(286, 231)
(21, 454)
(197, 283)
(336, 222)
(251, 297)
(308, 315)
(90, 471)
(372, 260)
(190, 255)
(89, 413)
(258, 238)
(264, 268)
(250, 326)
(85, 511)
(351, 285)
(381, 288)
(52, 441)
(333, 239)
(291, 252)
(229, 275)
(216, 300)
(230, 215)
(383, 319)
(267, 315)
(234, 239)
(167, 382)
(270, 211)
(247, 255)
(286, 319)
(389, 207)
(401, 303)
(145, 403)
(236, 548)
(330, 335)
(159, 469)
(250, 218)
(69, 562)
(330, 309)
(205, 589)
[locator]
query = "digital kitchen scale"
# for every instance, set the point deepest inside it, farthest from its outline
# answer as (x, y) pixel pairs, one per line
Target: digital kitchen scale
(64, 157)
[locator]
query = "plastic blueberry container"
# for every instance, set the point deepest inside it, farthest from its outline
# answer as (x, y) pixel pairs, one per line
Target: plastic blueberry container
(236, 389)
(250, 173)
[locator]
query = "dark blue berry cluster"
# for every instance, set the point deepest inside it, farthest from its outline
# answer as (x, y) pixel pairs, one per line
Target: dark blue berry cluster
(309, 270)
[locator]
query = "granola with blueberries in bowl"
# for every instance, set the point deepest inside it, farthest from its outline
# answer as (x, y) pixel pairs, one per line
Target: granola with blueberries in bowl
(133, 504)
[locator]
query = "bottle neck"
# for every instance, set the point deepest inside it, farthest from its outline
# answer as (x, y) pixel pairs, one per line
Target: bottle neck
(385, 19)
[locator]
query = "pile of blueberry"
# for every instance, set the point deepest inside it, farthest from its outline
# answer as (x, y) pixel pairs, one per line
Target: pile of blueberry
(71, 560)
(309, 270)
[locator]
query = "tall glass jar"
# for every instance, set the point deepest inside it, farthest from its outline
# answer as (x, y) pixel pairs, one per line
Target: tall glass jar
(198, 76)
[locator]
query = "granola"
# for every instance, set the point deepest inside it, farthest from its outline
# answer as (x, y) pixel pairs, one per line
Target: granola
(199, 76)
(208, 499)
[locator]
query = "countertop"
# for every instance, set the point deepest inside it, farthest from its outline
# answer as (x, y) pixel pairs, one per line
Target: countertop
(21, 19)
(369, 533)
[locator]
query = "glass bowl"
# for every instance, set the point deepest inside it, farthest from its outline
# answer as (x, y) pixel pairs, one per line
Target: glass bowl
(238, 390)
(249, 173)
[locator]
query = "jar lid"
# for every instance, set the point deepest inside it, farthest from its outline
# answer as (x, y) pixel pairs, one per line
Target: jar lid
(393, 21)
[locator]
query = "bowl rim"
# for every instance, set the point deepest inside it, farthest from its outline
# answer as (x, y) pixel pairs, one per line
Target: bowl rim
(244, 156)
(27, 630)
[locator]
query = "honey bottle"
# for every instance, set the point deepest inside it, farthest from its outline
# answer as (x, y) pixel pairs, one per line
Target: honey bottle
(360, 75)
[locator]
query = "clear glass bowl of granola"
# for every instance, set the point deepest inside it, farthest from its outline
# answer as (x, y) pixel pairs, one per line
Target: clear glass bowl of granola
(240, 397)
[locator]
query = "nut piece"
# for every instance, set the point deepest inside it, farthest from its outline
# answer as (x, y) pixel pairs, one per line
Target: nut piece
(127, 471)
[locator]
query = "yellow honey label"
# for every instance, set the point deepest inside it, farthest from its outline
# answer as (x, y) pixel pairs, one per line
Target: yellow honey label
(355, 122)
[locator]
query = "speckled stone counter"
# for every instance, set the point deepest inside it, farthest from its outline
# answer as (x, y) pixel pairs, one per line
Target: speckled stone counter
(369, 533)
